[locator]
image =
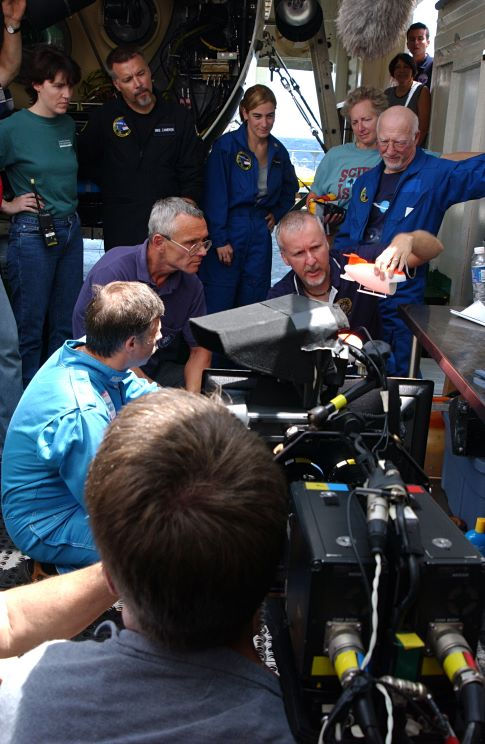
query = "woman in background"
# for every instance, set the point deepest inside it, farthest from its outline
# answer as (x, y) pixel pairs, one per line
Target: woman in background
(343, 164)
(38, 145)
(250, 184)
(408, 92)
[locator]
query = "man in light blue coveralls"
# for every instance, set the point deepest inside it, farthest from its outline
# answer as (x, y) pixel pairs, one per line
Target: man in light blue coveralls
(408, 191)
(61, 418)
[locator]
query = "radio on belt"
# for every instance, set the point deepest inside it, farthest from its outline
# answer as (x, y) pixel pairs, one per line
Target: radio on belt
(46, 223)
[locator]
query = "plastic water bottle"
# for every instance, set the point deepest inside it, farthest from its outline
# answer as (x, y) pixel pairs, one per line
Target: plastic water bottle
(478, 273)
(477, 536)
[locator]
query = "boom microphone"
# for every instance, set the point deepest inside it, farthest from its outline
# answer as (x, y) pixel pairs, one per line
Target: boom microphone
(370, 28)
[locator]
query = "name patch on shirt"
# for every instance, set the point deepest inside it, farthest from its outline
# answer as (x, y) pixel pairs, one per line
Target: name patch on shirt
(65, 143)
(163, 131)
(243, 160)
(120, 127)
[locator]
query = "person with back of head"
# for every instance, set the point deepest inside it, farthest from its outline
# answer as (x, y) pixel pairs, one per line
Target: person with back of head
(410, 190)
(200, 512)
(168, 262)
(417, 38)
(60, 421)
(138, 148)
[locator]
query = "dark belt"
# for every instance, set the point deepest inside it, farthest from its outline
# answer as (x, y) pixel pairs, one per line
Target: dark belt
(32, 219)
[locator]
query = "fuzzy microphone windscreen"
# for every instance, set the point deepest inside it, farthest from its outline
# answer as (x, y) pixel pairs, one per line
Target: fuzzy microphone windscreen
(370, 28)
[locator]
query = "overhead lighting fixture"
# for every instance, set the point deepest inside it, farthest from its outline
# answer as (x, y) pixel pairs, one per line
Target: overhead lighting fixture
(298, 20)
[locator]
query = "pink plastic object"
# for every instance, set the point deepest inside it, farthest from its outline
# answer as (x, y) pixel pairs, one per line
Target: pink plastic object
(361, 271)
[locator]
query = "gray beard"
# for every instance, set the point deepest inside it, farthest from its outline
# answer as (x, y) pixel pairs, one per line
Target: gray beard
(314, 283)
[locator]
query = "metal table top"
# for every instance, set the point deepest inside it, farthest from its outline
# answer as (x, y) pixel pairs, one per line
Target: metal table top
(457, 345)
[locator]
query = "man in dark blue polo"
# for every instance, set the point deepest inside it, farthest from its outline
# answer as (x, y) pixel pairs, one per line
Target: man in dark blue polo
(417, 37)
(316, 271)
(168, 262)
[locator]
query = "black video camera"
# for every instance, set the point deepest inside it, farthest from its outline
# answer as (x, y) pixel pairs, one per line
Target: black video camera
(381, 593)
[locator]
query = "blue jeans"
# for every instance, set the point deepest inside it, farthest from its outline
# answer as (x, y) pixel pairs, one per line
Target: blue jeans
(45, 283)
(10, 366)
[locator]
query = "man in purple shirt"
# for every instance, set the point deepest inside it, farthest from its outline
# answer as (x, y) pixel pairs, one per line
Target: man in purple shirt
(168, 262)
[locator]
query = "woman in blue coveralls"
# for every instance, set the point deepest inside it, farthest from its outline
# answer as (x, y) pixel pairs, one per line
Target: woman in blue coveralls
(250, 184)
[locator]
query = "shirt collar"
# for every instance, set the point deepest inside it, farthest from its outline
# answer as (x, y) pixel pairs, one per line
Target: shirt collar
(71, 350)
(171, 283)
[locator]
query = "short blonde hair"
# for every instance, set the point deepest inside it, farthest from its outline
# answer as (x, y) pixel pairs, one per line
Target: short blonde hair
(376, 96)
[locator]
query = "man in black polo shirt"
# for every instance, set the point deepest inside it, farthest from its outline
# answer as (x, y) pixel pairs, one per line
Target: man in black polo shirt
(139, 149)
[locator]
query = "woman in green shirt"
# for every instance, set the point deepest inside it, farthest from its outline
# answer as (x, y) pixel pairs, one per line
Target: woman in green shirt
(37, 146)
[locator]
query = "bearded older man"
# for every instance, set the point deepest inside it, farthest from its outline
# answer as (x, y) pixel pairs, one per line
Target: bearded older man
(408, 191)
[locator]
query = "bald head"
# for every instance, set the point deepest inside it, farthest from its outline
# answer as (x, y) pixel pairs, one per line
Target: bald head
(401, 117)
(397, 136)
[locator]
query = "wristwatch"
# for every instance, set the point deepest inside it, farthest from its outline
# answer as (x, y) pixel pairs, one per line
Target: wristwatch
(11, 29)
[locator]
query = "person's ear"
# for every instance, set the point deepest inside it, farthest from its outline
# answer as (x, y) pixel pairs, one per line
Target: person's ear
(109, 581)
(283, 256)
(158, 241)
(130, 344)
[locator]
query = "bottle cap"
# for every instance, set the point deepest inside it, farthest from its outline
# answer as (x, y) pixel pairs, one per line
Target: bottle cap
(479, 249)
(480, 525)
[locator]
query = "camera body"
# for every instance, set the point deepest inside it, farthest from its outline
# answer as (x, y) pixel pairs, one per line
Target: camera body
(416, 601)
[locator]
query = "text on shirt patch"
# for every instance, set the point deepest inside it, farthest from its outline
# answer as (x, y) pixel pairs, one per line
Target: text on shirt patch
(65, 143)
(163, 130)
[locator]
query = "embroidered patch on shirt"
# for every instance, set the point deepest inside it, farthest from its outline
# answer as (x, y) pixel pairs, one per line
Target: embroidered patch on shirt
(363, 195)
(109, 405)
(120, 127)
(383, 206)
(65, 143)
(160, 131)
(345, 304)
(243, 160)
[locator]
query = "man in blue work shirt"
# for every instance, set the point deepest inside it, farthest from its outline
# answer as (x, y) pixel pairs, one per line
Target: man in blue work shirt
(60, 421)
(408, 191)
(168, 262)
